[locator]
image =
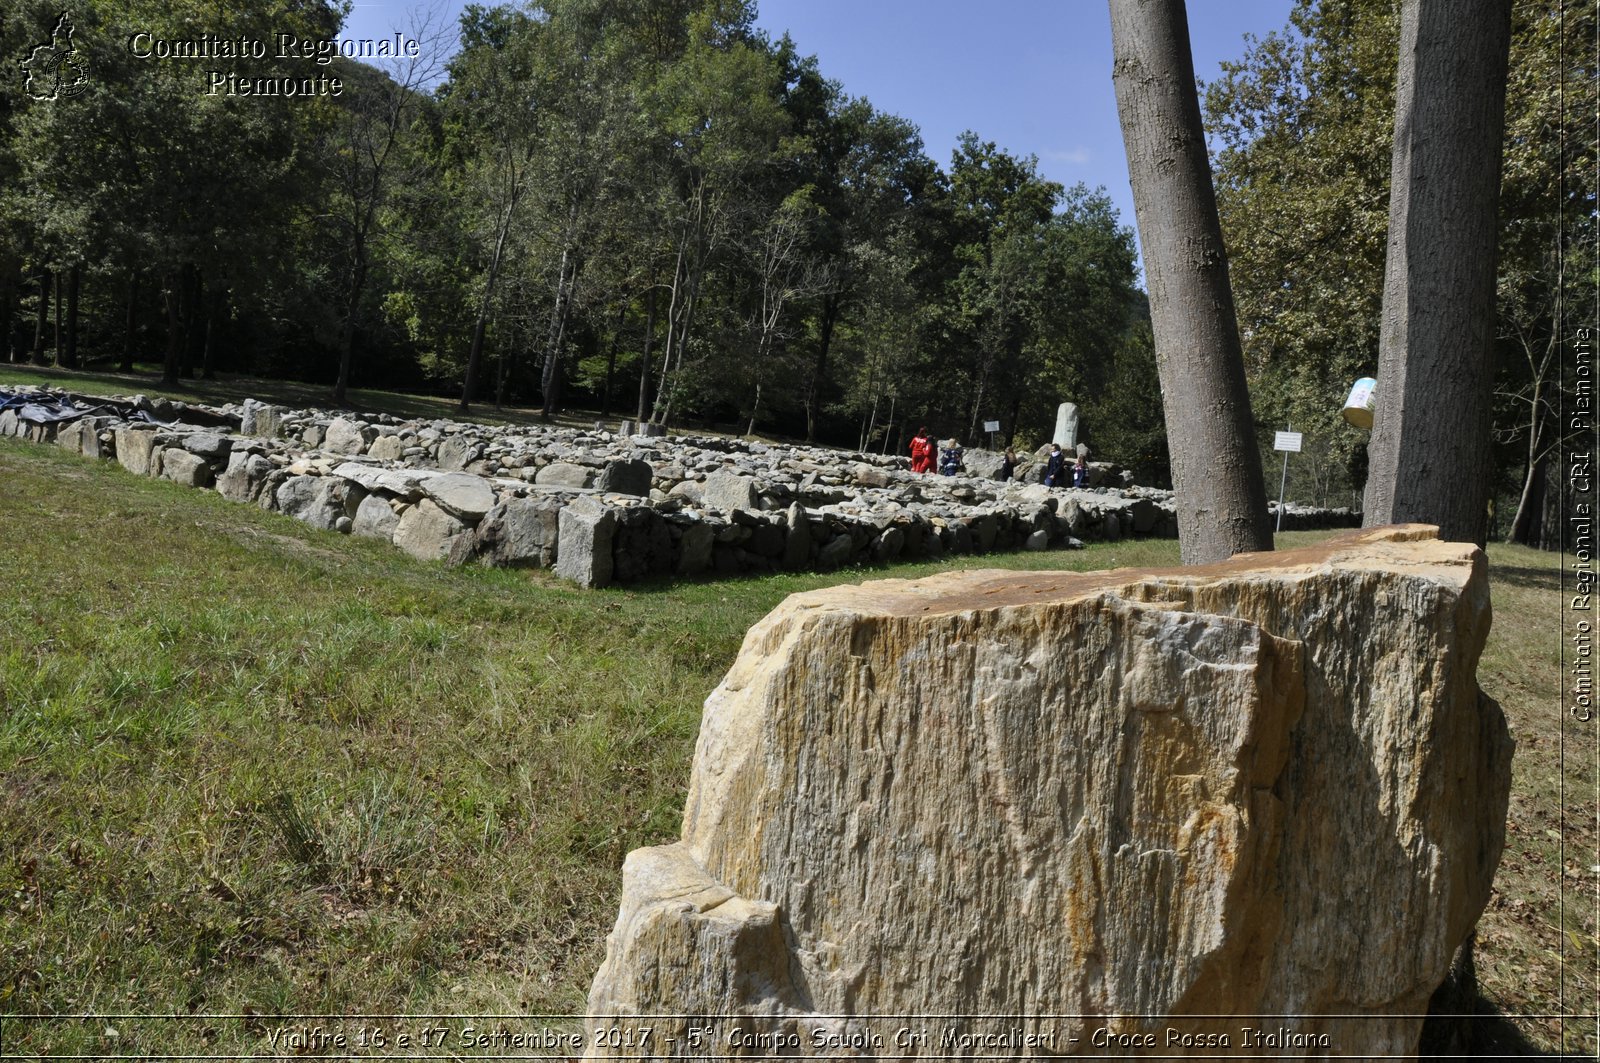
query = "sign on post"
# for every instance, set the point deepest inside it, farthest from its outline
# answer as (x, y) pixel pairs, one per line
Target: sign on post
(1289, 443)
(991, 426)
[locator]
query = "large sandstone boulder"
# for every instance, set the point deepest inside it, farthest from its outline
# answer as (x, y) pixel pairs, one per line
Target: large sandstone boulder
(1125, 802)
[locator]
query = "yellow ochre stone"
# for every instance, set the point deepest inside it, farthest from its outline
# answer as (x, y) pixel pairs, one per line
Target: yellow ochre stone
(1219, 809)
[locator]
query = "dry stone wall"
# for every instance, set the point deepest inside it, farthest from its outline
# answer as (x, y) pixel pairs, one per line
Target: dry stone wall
(1081, 813)
(594, 506)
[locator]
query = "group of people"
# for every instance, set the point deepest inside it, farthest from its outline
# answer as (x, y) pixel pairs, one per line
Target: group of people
(1057, 473)
(923, 452)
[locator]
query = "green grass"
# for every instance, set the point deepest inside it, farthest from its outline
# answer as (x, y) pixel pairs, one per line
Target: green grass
(248, 768)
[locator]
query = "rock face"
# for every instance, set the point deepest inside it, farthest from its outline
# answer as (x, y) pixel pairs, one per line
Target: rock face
(1264, 788)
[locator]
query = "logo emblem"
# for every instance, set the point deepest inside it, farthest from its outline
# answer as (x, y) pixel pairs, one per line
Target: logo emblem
(56, 70)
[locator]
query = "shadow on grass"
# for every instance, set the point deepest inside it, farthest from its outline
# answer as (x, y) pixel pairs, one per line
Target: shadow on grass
(1487, 1034)
(1538, 579)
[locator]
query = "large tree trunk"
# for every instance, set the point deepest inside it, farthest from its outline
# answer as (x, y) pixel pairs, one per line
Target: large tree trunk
(1429, 455)
(1216, 468)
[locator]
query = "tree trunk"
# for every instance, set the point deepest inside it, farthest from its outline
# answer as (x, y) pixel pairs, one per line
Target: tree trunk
(611, 359)
(1216, 468)
(69, 352)
(830, 314)
(213, 303)
(43, 318)
(550, 379)
(131, 326)
(169, 368)
(10, 288)
(192, 292)
(55, 338)
(644, 359)
(469, 390)
(349, 326)
(1429, 454)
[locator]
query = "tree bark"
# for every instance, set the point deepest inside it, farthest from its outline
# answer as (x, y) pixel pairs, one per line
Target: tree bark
(1216, 468)
(1429, 454)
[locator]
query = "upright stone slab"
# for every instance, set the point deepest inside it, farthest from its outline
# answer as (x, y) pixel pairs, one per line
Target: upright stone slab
(242, 480)
(520, 531)
(1111, 801)
(1066, 432)
(260, 419)
(627, 477)
(134, 447)
(583, 553)
(185, 468)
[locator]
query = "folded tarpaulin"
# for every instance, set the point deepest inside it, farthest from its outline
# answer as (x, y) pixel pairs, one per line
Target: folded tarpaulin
(46, 409)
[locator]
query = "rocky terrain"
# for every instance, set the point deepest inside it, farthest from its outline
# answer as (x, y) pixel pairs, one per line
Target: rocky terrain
(594, 505)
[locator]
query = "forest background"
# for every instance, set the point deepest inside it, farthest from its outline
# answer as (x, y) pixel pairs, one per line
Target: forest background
(652, 209)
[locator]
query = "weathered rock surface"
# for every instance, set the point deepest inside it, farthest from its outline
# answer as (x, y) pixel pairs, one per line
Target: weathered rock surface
(1263, 788)
(427, 532)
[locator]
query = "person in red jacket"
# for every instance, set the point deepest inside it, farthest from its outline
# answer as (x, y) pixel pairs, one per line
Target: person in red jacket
(921, 452)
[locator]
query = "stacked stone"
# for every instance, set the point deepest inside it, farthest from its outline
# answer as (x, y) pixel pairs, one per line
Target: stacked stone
(598, 507)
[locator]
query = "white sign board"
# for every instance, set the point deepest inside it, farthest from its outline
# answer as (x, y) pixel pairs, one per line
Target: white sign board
(991, 426)
(1287, 441)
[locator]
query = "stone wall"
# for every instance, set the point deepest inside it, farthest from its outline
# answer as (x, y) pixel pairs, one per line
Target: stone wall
(594, 506)
(1171, 813)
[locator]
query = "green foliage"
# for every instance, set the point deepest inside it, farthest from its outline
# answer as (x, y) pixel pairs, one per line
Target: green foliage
(1303, 126)
(574, 165)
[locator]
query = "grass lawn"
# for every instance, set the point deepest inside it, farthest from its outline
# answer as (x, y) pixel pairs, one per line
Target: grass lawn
(248, 768)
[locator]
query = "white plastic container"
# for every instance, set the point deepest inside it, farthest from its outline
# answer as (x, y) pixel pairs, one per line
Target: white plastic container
(1358, 407)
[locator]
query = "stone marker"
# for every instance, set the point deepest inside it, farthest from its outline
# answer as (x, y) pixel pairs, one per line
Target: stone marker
(1066, 432)
(1105, 801)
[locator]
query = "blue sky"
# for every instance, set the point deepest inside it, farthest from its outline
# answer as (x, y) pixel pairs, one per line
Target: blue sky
(1034, 76)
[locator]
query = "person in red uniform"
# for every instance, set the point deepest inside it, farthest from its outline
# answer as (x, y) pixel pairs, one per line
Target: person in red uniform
(921, 452)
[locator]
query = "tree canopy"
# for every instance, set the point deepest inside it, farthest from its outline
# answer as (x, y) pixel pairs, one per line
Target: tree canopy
(637, 205)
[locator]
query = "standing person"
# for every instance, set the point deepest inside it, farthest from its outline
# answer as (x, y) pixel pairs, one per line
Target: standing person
(1055, 471)
(1080, 473)
(950, 457)
(921, 451)
(1008, 466)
